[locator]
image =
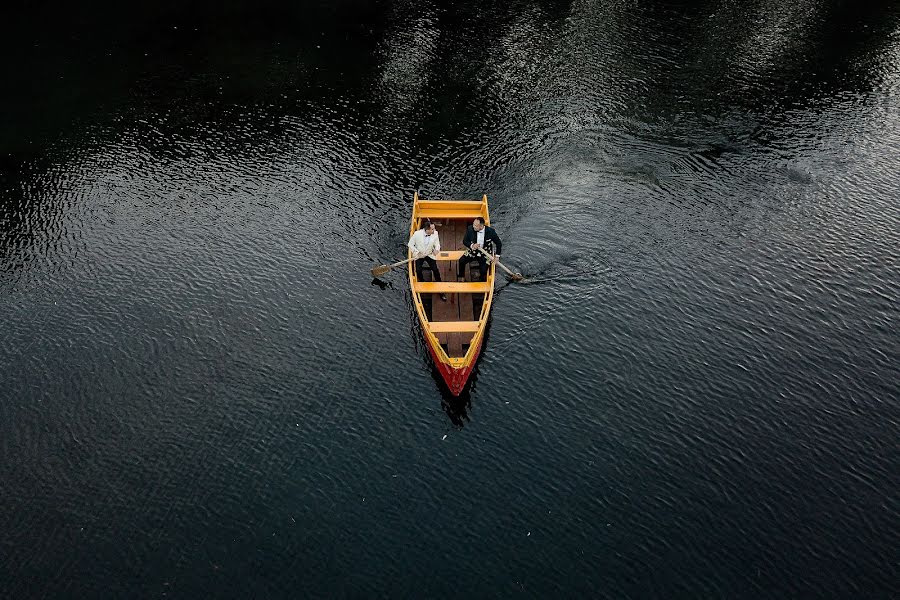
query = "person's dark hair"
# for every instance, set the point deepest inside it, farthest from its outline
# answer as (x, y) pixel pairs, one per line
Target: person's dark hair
(480, 220)
(427, 223)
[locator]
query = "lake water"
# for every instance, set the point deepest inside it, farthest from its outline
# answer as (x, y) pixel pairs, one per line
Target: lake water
(694, 394)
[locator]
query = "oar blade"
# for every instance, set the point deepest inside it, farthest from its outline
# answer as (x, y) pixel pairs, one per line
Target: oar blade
(380, 270)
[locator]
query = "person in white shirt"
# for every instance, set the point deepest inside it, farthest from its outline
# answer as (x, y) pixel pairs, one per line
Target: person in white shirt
(425, 244)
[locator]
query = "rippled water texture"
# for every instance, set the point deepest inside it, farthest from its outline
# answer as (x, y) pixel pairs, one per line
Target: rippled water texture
(693, 395)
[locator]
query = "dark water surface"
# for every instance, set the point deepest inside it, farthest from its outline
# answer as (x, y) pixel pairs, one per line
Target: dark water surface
(694, 395)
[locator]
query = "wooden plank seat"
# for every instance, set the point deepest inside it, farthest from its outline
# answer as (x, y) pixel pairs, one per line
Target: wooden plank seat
(450, 213)
(451, 287)
(453, 326)
(454, 205)
(450, 254)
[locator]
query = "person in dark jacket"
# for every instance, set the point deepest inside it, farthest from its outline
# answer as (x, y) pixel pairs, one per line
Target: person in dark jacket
(478, 236)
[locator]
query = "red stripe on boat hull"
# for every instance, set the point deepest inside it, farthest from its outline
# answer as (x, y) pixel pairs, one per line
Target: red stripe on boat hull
(455, 379)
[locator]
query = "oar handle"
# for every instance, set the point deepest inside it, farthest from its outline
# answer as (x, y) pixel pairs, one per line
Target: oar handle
(382, 269)
(403, 262)
(427, 253)
(499, 264)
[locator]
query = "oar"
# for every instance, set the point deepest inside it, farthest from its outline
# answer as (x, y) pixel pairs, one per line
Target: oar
(510, 274)
(382, 269)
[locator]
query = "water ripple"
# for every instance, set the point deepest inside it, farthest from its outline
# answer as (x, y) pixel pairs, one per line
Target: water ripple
(693, 392)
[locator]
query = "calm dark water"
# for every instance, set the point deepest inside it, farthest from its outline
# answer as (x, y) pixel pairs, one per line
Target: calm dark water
(694, 395)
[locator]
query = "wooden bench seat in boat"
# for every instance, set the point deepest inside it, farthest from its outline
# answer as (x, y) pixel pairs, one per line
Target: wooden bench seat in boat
(450, 254)
(453, 326)
(451, 287)
(442, 209)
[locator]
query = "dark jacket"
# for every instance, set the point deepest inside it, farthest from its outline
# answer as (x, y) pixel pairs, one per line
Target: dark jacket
(491, 239)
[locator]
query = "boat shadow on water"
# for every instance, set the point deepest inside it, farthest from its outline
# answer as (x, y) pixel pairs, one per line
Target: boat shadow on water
(457, 408)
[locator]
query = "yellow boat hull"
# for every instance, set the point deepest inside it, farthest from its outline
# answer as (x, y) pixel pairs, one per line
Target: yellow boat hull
(453, 340)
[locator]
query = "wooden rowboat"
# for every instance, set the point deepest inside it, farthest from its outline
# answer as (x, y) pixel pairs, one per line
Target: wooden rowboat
(453, 329)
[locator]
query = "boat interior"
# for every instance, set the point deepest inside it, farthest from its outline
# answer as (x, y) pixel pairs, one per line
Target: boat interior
(455, 321)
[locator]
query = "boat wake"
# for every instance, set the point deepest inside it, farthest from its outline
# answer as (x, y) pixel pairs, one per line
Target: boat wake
(580, 279)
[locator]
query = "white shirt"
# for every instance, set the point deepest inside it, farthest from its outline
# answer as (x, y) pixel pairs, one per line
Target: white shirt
(425, 245)
(479, 238)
